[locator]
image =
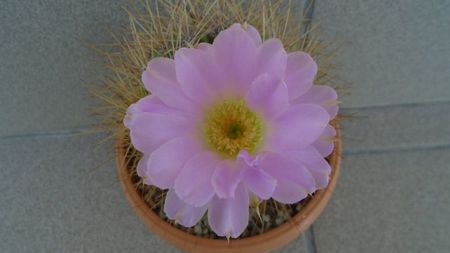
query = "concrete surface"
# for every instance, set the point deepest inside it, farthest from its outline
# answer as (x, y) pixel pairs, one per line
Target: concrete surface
(393, 52)
(44, 63)
(393, 194)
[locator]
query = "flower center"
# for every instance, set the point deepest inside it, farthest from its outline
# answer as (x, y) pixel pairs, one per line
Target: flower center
(230, 126)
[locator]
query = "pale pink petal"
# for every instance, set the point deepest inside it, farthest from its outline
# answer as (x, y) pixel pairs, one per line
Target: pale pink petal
(151, 103)
(297, 128)
(142, 169)
(131, 111)
(193, 184)
(315, 163)
(322, 95)
(145, 104)
(259, 182)
(159, 78)
(283, 169)
(226, 178)
(229, 217)
(269, 97)
(235, 50)
(148, 130)
(271, 59)
(320, 178)
(204, 46)
(184, 214)
(325, 143)
(198, 75)
(166, 162)
(300, 72)
(288, 192)
(253, 33)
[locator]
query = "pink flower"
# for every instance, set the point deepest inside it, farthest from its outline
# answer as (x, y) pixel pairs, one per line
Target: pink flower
(227, 121)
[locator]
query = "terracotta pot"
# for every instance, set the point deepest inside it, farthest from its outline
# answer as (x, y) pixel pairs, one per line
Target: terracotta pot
(266, 242)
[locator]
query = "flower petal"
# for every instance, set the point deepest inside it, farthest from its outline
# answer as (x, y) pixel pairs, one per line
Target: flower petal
(229, 217)
(283, 169)
(159, 78)
(325, 143)
(142, 170)
(204, 46)
(150, 130)
(226, 178)
(300, 72)
(322, 95)
(193, 184)
(313, 161)
(297, 128)
(236, 51)
(150, 103)
(184, 214)
(146, 104)
(260, 183)
(267, 96)
(253, 33)
(166, 162)
(197, 74)
(288, 192)
(271, 59)
(256, 179)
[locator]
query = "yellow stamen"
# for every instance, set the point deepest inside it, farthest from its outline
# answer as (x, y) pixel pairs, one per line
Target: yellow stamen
(230, 126)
